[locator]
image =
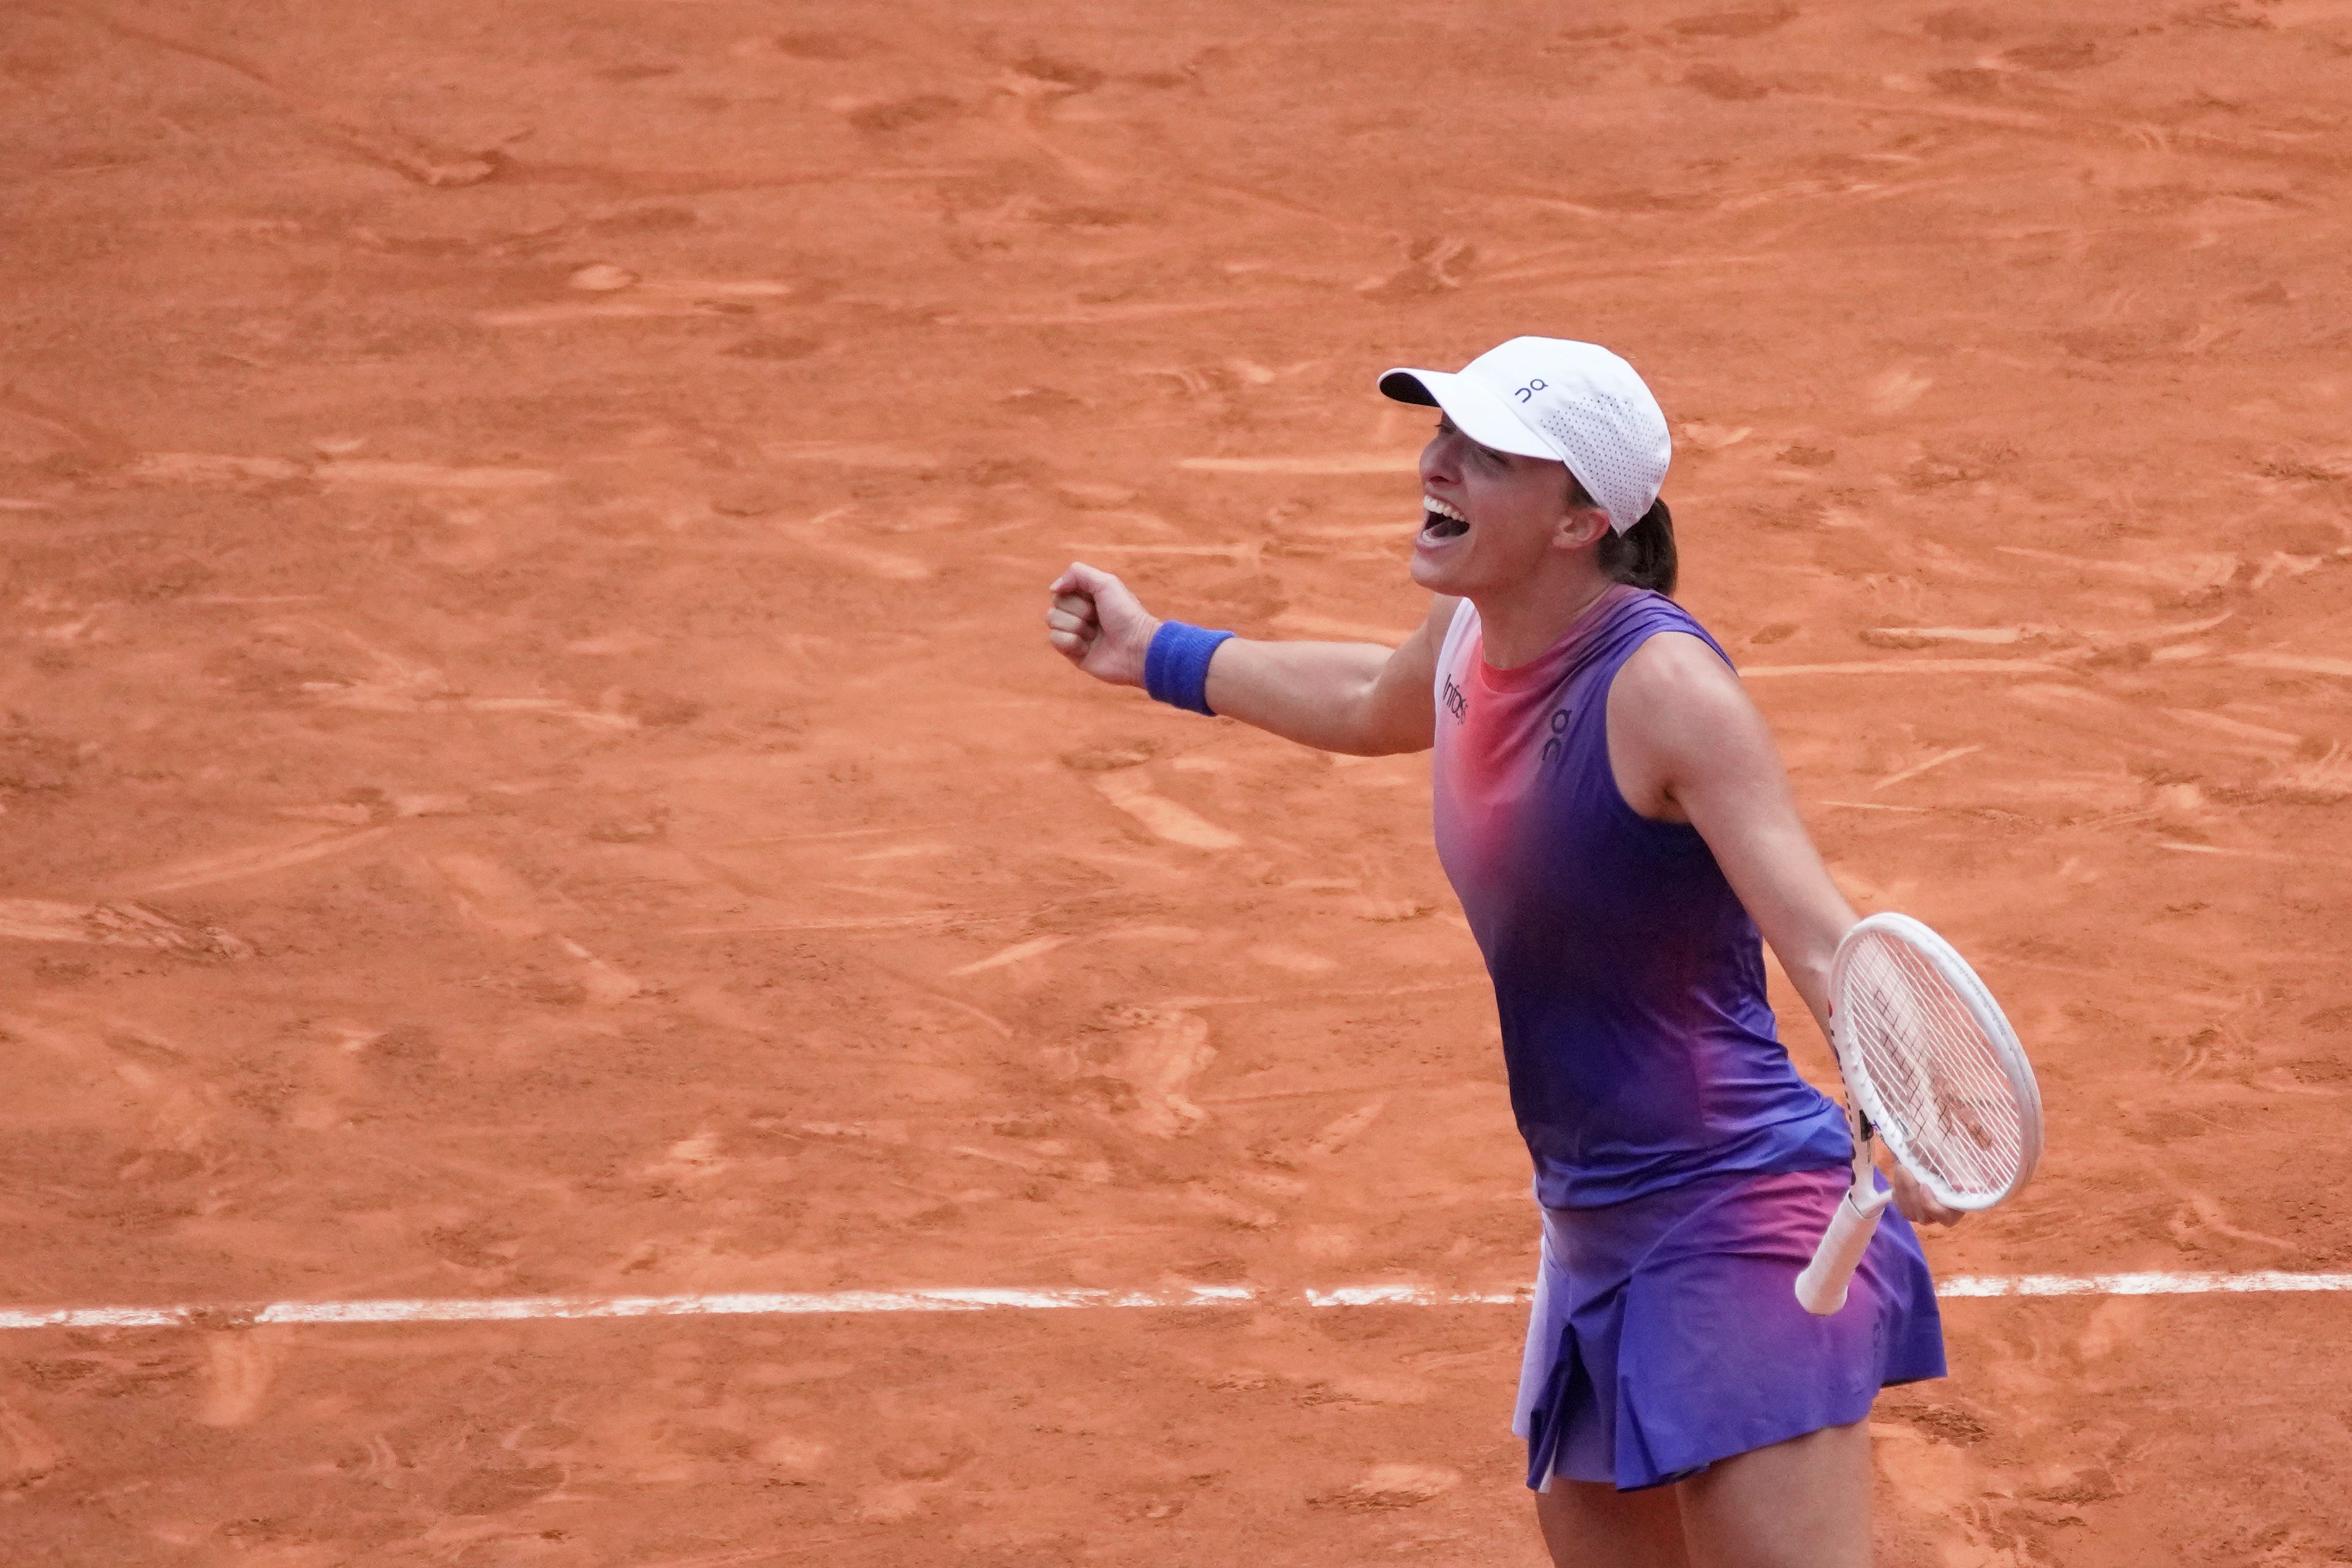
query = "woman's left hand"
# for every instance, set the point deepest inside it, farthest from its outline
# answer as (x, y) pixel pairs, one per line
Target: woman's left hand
(1915, 1204)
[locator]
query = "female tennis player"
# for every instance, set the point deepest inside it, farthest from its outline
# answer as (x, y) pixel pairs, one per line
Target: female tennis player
(1615, 819)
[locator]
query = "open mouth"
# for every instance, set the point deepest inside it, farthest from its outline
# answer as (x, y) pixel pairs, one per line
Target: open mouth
(1439, 520)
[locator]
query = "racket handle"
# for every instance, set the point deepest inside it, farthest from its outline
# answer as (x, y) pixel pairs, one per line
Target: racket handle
(1821, 1288)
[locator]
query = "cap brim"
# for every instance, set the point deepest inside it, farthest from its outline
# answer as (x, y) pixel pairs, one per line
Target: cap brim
(1477, 413)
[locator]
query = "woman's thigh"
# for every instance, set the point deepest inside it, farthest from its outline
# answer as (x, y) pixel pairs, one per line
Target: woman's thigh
(1804, 1503)
(1590, 1524)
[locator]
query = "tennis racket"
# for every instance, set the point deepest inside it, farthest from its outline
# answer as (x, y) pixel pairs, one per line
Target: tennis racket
(1931, 1065)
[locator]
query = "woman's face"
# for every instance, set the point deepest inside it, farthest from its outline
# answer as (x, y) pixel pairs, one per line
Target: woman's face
(1489, 519)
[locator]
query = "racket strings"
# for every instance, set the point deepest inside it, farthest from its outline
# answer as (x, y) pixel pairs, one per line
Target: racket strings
(1935, 1073)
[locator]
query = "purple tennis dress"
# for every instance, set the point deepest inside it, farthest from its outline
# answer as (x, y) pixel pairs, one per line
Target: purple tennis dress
(1684, 1169)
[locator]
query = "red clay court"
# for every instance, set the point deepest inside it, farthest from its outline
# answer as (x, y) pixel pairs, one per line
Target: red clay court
(531, 767)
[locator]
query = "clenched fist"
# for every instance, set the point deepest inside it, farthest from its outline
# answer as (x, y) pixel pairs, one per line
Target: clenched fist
(1098, 626)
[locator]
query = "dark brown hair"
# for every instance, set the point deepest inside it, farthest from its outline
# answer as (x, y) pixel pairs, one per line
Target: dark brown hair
(1644, 555)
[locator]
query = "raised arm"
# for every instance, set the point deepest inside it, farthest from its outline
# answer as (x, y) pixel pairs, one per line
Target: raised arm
(1687, 745)
(1357, 697)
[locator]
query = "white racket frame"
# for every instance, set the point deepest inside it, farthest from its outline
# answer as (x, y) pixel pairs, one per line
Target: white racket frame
(2010, 1055)
(1821, 1286)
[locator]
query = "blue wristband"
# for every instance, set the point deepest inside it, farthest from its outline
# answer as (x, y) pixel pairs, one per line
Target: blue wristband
(1176, 666)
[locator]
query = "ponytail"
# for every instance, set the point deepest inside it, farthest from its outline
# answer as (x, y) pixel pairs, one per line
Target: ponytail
(1644, 555)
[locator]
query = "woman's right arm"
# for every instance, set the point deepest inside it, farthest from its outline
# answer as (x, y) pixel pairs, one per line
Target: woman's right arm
(1357, 697)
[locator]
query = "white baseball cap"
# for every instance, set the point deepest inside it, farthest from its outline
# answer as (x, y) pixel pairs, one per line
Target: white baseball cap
(1574, 403)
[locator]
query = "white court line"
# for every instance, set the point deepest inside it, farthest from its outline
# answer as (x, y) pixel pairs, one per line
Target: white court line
(531, 1308)
(536, 1308)
(2259, 1280)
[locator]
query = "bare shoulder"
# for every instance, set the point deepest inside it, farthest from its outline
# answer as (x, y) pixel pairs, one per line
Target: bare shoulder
(1677, 715)
(1421, 647)
(1675, 672)
(1440, 619)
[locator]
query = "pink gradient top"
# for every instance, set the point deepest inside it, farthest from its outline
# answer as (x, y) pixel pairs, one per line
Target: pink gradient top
(1629, 978)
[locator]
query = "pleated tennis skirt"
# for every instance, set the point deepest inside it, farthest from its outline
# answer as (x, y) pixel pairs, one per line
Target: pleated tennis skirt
(1666, 1334)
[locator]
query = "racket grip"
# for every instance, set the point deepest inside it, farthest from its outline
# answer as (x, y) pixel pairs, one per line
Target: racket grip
(1821, 1288)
